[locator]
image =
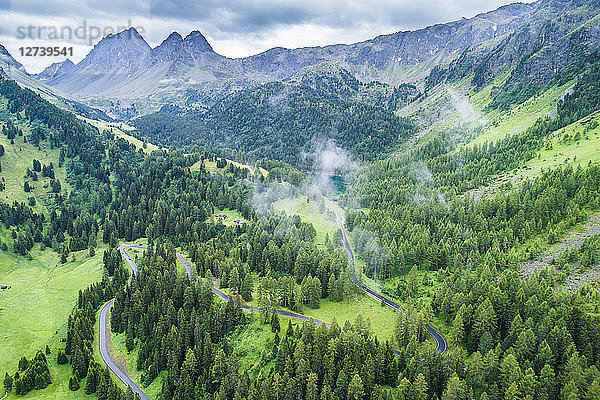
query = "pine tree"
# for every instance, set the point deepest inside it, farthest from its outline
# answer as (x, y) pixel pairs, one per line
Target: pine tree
(74, 384)
(247, 287)
(92, 378)
(420, 387)
(355, 388)
(311, 387)
(275, 322)
(8, 382)
(459, 329)
(23, 363)
(129, 340)
(61, 359)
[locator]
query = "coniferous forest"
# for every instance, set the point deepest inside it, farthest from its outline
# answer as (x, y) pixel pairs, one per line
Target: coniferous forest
(411, 217)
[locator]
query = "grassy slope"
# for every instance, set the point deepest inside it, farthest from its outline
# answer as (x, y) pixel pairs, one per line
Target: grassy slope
(211, 166)
(15, 161)
(322, 219)
(519, 117)
(382, 319)
(118, 341)
(575, 152)
(35, 309)
(232, 215)
(42, 296)
(121, 131)
(59, 388)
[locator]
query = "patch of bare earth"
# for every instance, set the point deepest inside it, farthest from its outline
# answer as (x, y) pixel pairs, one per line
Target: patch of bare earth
(574, 239)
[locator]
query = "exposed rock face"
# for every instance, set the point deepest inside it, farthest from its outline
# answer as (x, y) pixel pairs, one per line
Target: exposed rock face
(125, 51)
(124, 67)
(56, 71)
(9, 60)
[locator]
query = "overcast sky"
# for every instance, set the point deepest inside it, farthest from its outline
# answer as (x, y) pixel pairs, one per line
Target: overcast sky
(234, 28)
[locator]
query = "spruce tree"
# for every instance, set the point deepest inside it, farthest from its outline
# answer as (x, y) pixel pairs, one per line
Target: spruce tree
(8, 382)
(74, 384)
(61, 359)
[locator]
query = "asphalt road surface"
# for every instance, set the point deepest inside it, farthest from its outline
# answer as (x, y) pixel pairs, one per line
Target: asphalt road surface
(104, 336)
(442, 344)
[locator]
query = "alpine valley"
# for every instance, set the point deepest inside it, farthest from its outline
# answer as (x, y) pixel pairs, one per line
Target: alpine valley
(412, 217)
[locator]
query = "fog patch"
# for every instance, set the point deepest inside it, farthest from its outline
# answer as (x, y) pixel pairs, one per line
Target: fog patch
(425, 187)
(279, 100)
(467, 112)
(327, 159)
(265, 194)
(369, 248)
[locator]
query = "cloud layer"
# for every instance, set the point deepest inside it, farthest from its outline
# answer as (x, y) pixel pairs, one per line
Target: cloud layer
(235, 28)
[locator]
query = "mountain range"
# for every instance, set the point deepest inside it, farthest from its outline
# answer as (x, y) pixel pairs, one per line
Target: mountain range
(126, 77)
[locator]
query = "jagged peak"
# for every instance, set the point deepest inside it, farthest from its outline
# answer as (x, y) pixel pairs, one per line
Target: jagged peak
(174, 36)
(197, 42)
(173, 39)
(127, 36)
(67, 62)
(56, 69)
(131, 32)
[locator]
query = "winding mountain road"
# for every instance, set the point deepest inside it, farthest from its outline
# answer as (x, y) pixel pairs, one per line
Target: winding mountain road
(226, 297)
(106, 354)
(104, 334)
(441, 347)
(442, 344)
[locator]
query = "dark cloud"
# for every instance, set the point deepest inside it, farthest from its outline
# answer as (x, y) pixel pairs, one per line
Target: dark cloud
(258, 16)
(238, 27)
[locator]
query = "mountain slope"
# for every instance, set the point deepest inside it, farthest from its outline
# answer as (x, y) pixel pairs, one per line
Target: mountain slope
(188, 72)
(11, 69)
(8, 60)
(283, 121)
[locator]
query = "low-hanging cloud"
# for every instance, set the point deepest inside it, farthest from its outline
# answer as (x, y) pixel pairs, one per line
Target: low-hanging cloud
(466, 110)
(327, 159)
(264, 195)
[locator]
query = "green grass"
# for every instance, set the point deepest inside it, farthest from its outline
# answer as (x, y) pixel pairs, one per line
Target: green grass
(313, 212)
(42, 295)
(121, 131)
(520, 117)
(15, 161)
(382, 319)
(118, 341)
(211, 166)
(250, 341)
(59, 388)
(574, 152)
(232, 215)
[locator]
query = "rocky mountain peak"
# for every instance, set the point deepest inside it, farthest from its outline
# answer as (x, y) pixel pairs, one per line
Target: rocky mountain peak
(9, 60)
(196, 43)
(125, 49)
(56, 70)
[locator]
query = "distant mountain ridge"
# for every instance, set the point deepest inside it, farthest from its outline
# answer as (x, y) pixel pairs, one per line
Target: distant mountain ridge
(124, 67)
(123, 70)
(9, 60)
